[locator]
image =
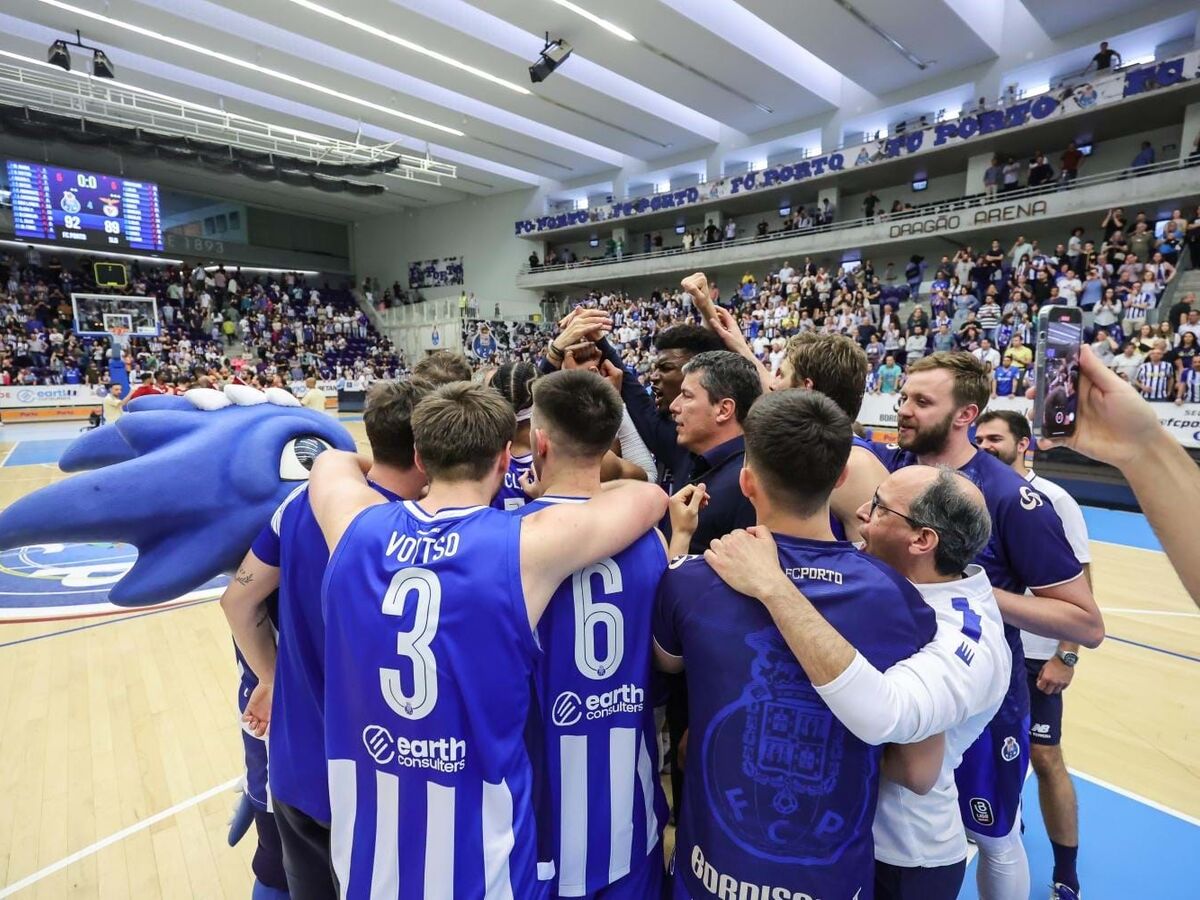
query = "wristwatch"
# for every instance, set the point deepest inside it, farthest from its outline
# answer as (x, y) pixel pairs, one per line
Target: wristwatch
(1068, 657)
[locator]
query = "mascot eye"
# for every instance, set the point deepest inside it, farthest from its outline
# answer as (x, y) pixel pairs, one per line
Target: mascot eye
(298, 457)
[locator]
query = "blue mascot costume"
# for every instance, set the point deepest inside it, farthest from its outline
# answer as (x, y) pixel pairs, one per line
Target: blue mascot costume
(190, 481)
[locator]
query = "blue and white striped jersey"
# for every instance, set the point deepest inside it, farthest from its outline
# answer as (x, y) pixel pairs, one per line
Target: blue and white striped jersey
(428, 663)
(1157, 379)
(607, 808)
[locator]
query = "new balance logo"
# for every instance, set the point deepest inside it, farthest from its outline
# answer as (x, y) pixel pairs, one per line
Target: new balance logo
(965, 653)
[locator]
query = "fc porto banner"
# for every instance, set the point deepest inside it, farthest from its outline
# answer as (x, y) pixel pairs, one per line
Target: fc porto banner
(431, 273)
(1063, 101)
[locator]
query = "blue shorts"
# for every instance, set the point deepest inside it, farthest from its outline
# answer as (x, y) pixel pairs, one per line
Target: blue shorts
(644, 881)
(919, 883)
(991, 776)
(1045, 710)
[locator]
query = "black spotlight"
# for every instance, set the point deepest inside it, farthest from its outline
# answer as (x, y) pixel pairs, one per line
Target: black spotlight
(553, 55)
(58, 55)
(102, 67)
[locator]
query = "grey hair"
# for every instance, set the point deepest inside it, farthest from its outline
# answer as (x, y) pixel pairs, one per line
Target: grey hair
(727, 375)
(962, 524)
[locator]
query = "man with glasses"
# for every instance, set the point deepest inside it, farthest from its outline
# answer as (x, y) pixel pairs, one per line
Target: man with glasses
(928, 524)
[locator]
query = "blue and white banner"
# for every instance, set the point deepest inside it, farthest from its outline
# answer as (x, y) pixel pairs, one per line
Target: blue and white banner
(430, 273)
(1065, 101)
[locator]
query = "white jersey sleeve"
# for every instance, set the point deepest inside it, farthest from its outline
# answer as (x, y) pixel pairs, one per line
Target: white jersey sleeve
(927, 830)
(939, 686)
(1075, 528)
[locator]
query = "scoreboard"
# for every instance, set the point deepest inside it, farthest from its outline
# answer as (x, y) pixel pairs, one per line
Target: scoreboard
(99, 212)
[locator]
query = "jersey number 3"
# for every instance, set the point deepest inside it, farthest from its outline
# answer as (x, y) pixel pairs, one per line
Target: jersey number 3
(592, 615)
(421, 588)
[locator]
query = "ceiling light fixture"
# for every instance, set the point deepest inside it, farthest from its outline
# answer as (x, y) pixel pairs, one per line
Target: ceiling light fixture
(409, 45)
(551, 56)
(592, 17)
(246, 64)
(59, 55)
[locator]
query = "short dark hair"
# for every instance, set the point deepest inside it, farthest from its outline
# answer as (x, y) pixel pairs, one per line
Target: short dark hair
(836, 365)
(459, 429)
(797, 444)
(727, 376)
(388, 420)
(514, 381)
(692, 339)
(442, 367)
(580, 409)
(1018, 425)
(963, 525)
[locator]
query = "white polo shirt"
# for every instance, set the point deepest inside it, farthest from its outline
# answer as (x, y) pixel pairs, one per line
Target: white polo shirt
(954, 684)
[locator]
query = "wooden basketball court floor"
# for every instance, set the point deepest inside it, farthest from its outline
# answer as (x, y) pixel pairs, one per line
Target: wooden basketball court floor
(120, 750)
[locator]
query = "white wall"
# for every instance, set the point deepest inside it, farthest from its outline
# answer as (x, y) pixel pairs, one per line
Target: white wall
(480, 230)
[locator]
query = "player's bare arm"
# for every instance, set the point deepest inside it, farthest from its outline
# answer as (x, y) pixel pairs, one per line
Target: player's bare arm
(864, 474)
(245, 606)
(915, 766)
(563, 538)
(1070, 615)
(338, 491)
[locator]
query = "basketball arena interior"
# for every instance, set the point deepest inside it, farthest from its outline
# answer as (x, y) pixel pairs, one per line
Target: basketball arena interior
(229, 230)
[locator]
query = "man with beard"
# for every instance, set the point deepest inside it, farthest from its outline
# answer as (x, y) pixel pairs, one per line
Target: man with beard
(943, 396)
(928, 524)
(1049, 664)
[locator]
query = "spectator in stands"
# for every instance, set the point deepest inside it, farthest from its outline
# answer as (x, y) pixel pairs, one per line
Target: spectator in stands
(992, 177)
(1040, 171)
(1104, 347)
(916, 345)
(1103, 60)
(1127, 364)
(1006, 378)
(1022, 356)
(1144, 159)
(1070, 162)
(1192, 239)
(890, 376)
(870, 205)
(1155, 377)
(1011, 175)
(730, 230)
(1180, 309)
(987, 354)
(1191, 326)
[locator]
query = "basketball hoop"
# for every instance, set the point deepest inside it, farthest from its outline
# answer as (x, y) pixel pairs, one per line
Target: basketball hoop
(120, 336)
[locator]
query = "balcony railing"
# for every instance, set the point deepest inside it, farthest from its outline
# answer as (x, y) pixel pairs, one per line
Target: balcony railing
(930, 210)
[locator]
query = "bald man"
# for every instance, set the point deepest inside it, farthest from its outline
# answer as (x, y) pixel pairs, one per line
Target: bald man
(927, 523)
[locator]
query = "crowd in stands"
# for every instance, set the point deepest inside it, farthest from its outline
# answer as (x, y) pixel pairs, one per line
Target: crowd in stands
(982, 301)
(289, 330)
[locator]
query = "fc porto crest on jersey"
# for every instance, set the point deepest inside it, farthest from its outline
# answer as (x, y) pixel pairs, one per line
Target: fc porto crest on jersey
(775, 769)
(1010, 749)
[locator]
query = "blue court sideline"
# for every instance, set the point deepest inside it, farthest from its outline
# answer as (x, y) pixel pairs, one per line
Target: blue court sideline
(32, 453)
(1128, 849)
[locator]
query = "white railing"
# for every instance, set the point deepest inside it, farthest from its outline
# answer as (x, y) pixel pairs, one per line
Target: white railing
(930, 210)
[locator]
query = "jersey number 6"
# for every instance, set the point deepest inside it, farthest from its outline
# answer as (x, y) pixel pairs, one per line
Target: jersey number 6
(590, 614)
(425, 592)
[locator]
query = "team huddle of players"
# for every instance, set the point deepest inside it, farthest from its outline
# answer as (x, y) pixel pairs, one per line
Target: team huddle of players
(461, 694)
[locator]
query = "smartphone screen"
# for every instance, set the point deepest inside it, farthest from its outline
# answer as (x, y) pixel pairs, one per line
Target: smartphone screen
(1060, 332)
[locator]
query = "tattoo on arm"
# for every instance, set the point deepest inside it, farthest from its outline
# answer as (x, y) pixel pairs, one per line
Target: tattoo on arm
(244, 577)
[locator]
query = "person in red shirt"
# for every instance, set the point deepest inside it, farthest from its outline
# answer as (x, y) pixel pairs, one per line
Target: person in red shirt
(1070, 161)
(147, 387)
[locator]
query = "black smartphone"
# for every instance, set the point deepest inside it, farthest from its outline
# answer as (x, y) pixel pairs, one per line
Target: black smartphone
(1059, 335)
